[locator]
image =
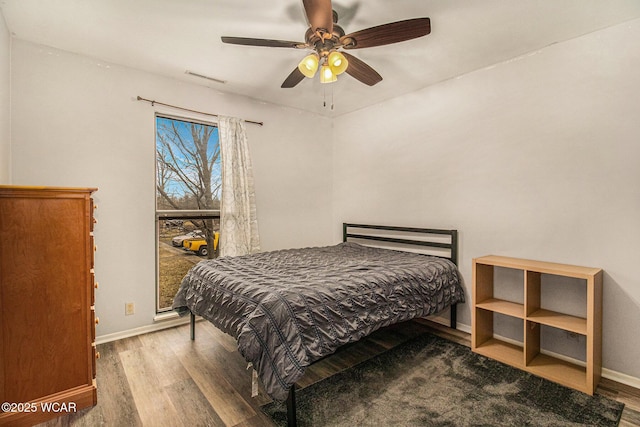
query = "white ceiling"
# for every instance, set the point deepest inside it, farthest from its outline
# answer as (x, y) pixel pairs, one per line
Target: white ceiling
(167, 37)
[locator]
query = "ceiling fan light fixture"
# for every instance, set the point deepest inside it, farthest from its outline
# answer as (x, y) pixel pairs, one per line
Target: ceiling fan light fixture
(337, 62)
(326, 75)
(328, 39)
(309, 65)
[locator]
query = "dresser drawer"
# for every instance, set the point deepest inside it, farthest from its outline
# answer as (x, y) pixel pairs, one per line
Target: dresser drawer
(93, 285)
(96, 356)
(92, 219)
(94, 321)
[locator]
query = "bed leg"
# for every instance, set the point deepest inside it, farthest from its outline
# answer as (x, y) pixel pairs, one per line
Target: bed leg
(291, 407)
(193, 326)
(453, 314)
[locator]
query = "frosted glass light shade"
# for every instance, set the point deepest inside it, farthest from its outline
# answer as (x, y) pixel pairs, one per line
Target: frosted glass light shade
(326, 75)
(337, 62)
(309, 65)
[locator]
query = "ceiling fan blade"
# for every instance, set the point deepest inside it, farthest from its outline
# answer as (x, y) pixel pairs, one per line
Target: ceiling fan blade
(294, 78)
(319, 14)
(361, 71)
(393, 32)
(247, 41)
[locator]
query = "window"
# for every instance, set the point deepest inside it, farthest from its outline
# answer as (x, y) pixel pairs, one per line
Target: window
(188, 186)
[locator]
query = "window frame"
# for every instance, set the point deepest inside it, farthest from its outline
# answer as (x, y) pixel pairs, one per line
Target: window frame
(164, 214)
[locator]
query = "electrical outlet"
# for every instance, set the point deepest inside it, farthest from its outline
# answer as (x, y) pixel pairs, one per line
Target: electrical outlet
(129, 308)
(572, 335)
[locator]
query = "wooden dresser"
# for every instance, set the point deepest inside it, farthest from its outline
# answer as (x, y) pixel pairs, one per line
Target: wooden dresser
(47, 317)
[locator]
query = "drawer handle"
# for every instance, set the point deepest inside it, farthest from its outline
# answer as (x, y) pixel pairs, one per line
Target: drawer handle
(95, 285)
(97, 355)
(97, 320)
(95, 221)
(95, 248)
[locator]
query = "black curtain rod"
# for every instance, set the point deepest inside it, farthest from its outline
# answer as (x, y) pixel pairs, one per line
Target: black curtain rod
(152, 102)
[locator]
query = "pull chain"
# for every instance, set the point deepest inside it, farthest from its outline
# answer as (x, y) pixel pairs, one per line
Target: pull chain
(331, 98)
(324, 97)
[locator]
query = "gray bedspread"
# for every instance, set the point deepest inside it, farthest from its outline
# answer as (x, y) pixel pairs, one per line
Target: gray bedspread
(289, 308)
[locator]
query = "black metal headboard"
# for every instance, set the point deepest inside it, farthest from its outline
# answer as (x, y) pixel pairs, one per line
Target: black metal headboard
(422, 237)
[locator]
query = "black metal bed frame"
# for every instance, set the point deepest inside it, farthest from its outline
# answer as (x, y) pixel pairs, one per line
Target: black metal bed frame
(451, 246)
(370, 232)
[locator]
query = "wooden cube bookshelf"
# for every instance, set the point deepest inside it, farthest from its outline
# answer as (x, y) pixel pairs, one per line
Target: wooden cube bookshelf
(529, 356)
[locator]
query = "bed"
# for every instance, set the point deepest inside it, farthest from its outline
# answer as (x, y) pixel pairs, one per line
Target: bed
(290, 308)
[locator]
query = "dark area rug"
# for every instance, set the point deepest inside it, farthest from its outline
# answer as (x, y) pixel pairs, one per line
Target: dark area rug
(430, 381)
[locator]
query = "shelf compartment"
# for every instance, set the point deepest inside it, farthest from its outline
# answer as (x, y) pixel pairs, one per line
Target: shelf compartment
(559, 320)
(502, 351)
(503, 307)
(559, 371)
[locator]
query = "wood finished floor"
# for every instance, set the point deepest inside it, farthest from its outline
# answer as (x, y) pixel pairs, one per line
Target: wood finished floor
(165, 379)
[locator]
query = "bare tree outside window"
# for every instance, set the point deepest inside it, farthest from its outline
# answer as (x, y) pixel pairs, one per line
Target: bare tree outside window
(188, 184)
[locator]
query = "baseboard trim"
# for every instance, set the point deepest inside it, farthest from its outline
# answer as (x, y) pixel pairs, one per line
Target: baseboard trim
(160, 322)
(172, 320)
(444, 321)
(621, 378)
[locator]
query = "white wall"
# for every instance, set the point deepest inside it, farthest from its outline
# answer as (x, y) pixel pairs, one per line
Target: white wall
(75, 122)
(5, 134)
(536, 158)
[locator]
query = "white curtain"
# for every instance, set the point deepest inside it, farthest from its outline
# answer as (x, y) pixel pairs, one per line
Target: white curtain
(238, 219)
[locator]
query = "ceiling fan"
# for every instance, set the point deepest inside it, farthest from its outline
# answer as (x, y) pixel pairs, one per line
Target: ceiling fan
(329, 42)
